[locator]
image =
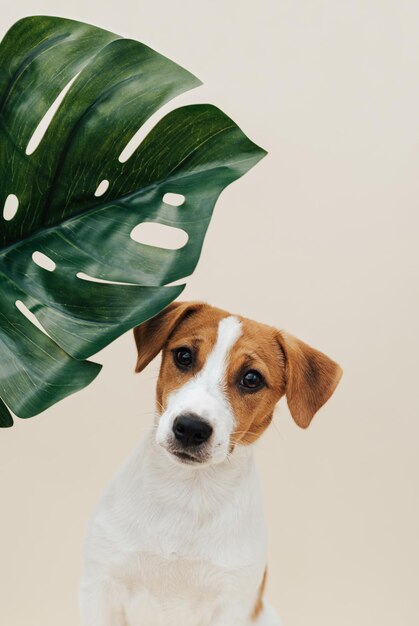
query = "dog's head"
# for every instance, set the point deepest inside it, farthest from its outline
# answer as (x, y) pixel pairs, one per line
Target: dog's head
(222, 375)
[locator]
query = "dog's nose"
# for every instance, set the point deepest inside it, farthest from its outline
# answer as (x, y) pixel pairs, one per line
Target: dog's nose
(191, 430)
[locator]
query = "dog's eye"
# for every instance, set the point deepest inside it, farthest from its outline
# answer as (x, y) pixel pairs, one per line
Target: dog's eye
(183, 358)
(252, 380)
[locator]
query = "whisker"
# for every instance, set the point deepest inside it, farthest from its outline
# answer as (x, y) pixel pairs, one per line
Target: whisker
(159, 404)
(245, 432)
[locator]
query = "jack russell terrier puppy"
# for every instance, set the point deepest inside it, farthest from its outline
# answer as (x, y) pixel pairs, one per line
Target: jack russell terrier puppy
(178, 538)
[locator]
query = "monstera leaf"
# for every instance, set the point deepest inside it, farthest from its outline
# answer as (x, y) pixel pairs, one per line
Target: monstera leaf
(72, 201)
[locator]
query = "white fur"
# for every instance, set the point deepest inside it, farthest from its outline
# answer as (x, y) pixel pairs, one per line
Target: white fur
(178, 545)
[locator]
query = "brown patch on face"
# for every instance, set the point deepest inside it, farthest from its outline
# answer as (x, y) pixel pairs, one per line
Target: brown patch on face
(255, 351)
(259, 601)
(151, 336)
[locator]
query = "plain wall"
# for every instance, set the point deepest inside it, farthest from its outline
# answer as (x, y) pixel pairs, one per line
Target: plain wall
(320, 239)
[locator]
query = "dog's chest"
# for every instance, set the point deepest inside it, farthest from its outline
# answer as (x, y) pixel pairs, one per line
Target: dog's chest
(178, 591)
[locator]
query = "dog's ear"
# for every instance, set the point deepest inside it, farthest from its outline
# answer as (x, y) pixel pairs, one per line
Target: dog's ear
(151, 336)
(311, 378)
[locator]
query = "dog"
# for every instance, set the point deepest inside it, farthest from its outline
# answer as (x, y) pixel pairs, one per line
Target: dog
(178, 538)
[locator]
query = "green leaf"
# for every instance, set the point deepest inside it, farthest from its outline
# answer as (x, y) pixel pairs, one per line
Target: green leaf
(194, 151)
(6, 420)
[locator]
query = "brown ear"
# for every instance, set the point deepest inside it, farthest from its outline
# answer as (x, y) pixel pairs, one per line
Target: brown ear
(151, 336)
(311, 378)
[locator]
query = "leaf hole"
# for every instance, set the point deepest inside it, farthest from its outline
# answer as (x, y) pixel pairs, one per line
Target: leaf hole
(92, 279)
(30, 316)
(42, 260)
(174, 199)
(42, 127)
(148, 125)
(102, 188)
(159, 235)
(11, 206)
(177, 282)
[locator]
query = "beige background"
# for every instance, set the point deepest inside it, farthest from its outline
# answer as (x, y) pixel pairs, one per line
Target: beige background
(320, 239)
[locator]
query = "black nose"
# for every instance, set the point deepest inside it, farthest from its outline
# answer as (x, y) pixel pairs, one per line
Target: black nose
(191, 430)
